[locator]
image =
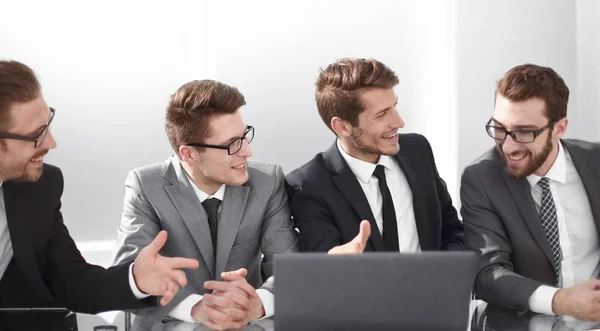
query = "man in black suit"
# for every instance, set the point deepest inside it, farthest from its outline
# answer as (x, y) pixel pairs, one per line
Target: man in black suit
(370, 173)
(531, 204)
(40, 266)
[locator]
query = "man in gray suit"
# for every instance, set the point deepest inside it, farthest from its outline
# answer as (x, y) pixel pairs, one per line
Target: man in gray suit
(219, 208)
(531, 205)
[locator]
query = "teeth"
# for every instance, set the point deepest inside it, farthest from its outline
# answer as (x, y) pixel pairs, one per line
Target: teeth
(36, 160)
(390, 136)
(516, 157)
(239, 166)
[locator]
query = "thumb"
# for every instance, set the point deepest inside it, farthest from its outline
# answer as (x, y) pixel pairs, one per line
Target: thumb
(157, 244)
(363, 234)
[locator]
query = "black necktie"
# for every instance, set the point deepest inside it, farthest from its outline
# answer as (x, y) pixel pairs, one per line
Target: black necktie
(390, 226)
(211, 206)
(550, 224)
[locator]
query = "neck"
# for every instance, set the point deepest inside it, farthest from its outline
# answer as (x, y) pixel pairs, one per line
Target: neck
(200, 181)
(356, 153)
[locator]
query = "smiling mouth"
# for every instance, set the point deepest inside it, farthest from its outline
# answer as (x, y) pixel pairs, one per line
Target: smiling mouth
(391, 136)
(239, 167)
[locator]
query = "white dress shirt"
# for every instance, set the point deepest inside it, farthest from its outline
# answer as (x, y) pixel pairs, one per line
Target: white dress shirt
(183, 311)
(577, 232)
(408, 237)
(6, 250)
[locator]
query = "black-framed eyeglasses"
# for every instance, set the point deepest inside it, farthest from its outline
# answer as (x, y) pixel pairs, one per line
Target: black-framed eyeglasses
(38, 139)
(234, 146)
(520, 136)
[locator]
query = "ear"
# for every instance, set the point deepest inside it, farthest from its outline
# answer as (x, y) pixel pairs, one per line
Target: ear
(341, 127)
(560, 128)
(186, 153)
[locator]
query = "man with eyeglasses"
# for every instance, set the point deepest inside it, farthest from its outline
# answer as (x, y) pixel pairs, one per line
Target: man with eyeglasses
(219, 207)
(531, 204)
(40, 265)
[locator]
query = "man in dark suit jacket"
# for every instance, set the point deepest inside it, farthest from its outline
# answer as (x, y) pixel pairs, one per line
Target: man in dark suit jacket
(40, 265)
(370, 173)
(531, 205)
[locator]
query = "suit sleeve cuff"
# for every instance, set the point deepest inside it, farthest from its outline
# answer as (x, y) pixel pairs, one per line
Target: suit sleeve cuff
(183, 311)
(541, 300)
(136, 291)
(268, 302)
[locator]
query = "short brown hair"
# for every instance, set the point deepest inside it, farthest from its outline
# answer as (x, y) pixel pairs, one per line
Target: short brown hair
(339, 85)
(193, 104)
(18, 84)
(533, 81)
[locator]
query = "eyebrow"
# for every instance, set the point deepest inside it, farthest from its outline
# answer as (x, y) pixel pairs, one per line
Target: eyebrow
(518, 127)
(386, 109)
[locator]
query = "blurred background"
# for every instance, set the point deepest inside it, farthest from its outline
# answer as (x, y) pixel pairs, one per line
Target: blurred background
(109, 67)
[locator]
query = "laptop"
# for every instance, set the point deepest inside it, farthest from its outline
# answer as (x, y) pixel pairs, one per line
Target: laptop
(373, 291)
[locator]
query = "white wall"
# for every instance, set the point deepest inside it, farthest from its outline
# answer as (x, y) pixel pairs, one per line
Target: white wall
(109, 68)
(588, 69)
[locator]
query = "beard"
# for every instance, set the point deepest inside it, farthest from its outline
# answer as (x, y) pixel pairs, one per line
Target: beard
(517, 172)
(359, 143)
(19, 172)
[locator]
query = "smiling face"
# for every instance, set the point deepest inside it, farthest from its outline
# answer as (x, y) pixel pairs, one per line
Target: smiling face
(212, 167)
(19, 159)
(378, 125)
(524, 159)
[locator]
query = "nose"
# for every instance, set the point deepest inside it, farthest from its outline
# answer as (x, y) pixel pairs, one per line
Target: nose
(49, 142)
(397, 120)
(246, 151)
(509, 145)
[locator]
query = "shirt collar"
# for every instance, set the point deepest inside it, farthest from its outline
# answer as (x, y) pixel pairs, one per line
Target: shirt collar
(558, 170)
(363, 170)
(203, 195)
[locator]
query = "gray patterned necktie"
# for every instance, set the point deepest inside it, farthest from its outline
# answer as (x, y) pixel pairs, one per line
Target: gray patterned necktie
(211, 206)
(550, 224)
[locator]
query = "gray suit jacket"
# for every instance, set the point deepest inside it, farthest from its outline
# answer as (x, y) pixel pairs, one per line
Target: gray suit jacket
(503, 225)
(254, 220)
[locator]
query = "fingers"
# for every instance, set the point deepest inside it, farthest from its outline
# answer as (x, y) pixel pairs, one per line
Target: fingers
(179, 277)
(220, 319)
(240, 298)
(226, 306)
(181, 262)
(234, 275)
(169, 293)
(158, 242)
(231, 286)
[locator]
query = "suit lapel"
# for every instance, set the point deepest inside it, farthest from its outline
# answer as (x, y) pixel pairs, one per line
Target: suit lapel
(346, 182)
(189, 207)
(588, 169)
(520, 190)
(20, 227)
(419, 200)
(234, 204)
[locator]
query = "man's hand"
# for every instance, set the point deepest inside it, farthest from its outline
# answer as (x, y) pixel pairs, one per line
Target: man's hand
(358, 244)
(232, 304)
(158, 275)
(580, 301)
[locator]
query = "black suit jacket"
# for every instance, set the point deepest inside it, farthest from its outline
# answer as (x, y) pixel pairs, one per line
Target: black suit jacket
(47, 269)
(503, 225)
(328, 203)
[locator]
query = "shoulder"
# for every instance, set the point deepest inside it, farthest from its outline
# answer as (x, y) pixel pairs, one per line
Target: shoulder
(311, 173)
(486, 164)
